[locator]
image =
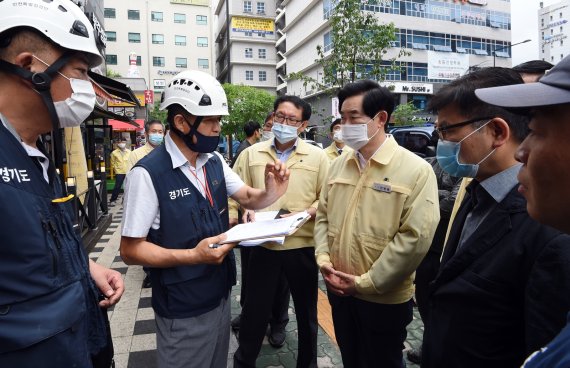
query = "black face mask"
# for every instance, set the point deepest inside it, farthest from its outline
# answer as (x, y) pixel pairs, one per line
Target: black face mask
(204, 144)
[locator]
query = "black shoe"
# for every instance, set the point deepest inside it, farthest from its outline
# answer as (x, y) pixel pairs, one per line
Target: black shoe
(276, 338)
(146, 282)
(415, 355)
(236, 322)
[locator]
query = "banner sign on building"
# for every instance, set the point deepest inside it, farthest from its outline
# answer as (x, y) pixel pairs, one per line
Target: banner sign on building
(447, 65)
(149, 96)
(254, 25)
(140, 97)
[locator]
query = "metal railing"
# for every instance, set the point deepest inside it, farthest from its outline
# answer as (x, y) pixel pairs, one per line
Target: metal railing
(88, 213)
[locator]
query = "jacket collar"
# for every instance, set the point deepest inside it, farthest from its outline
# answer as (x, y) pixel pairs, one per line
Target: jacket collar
(385, 153)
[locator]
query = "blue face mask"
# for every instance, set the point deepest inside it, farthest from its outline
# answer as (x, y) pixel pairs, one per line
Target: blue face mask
(448, 158)
(155, 139)
(284, 133)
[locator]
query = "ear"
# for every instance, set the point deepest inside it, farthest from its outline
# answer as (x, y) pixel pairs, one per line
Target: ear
(25, 60)
(179, 122)
(303, 126)
(382, 118)
(500, 131)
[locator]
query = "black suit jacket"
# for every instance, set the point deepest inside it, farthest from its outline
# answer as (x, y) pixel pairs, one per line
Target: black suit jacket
(502, 295)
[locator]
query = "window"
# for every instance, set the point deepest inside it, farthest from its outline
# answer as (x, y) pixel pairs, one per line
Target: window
(158, 61)
(139, 61)
(110, 13)
(248, 53)
(560, 15)
(202, 41)
(134, 37)
(248, 33)
(260, 7)
(158, 39)
(247, 6)
(111, 36)
(181, 62)
(156, 16)
(134, 14)
(180, 40)
(203, 63)
(111, 59)
(201, 20)
(179, 18)
(249, 75)
(327, 42)
(262, 76)
(261, 53)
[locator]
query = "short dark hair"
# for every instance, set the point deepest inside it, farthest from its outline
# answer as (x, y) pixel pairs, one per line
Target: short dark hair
(298, 102)
(172, 111)
(376, 98)
(268, 116)
(335, 123)
(149, 123)
(250, 128)
(461, 92)
(533, 67)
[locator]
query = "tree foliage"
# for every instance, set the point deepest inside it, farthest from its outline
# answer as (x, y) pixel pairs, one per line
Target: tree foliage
(403, 114)
(357, 49)
(245, 103)
(112, 74)
(156, 114)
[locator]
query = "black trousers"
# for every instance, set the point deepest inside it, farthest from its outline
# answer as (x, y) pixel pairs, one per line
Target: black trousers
(425, 274)
(280, 310)
(370, 335)
(119, 179)
(265, 269)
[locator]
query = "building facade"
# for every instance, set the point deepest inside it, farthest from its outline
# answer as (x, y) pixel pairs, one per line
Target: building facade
(245, 37)
(157, 39)
(446, 39)
(553, 31)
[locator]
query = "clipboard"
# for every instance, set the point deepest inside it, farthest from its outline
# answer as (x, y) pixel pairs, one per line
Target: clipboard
(266, 229)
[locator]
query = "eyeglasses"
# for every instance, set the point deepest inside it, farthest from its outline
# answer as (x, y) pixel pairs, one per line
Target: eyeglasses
(441, 130)
(282, 119)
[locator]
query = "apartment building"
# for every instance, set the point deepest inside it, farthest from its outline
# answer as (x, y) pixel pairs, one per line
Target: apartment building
(553, 31)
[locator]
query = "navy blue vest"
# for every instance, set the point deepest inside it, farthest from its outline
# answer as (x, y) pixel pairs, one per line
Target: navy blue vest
(45, 287)
(186, 217)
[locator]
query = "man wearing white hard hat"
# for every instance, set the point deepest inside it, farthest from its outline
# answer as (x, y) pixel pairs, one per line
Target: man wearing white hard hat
(176, 207)
(51, 293)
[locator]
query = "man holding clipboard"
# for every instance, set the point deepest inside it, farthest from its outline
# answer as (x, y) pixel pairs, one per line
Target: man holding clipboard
(295, 259)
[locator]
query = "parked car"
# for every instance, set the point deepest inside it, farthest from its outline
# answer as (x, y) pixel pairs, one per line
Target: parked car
(417, 139)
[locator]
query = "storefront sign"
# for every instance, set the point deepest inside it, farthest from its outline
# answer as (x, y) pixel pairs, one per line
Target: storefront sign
(140, 97)
(168, 72)
(100, 35)
(447, 65)
(409, 88)
(254, 25)
(335, 112)
(149, 96)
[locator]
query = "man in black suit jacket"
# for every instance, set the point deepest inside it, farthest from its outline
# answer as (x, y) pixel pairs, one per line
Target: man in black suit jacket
(503, 287)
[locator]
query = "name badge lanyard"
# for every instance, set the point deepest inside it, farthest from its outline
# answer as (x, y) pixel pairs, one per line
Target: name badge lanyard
(205, 186)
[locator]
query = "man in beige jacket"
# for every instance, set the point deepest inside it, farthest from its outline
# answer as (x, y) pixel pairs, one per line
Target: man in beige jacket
(377, 215)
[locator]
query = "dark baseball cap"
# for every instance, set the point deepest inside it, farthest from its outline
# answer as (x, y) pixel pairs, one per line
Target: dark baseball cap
(551, 89)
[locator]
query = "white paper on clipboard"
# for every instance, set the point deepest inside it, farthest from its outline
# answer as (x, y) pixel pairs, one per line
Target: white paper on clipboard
(266, 228)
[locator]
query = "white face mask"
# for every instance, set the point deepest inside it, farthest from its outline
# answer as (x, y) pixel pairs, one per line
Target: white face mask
(356, 135)
(122, 145)
(76, 108)
(266, 135)
(337, 136)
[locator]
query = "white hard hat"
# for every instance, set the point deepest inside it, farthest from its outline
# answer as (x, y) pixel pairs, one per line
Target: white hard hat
(197, 92)
(59, 20)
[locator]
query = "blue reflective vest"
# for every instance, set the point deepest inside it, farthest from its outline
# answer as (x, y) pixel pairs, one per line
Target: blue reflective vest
(186, 217)
(49, 314)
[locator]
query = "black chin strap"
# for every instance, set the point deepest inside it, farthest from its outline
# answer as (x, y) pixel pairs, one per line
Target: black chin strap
(193, 129)
(42, 84)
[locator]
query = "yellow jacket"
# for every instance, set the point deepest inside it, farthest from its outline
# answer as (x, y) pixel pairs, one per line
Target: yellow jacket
(378, 224)
(308, 165)
(137, 154)
(120, 160)
(332, 151)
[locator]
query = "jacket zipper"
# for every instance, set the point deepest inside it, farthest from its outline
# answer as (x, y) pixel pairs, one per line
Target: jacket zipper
(50, 227)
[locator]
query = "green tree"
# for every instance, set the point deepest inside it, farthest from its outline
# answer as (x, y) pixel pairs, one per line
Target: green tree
(358, 46)
(245, 103)
(112, 74)
(155, 113)
(403, 114)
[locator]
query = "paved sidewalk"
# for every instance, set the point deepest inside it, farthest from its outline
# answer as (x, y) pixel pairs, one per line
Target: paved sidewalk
(133, 328)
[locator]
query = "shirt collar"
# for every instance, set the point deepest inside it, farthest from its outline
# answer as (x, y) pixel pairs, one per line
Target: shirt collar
(383, 154)
(178, 158)
(290, 149)
(499, 185)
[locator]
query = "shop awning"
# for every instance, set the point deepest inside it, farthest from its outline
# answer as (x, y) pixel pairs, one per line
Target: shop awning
(99, 113)
(115, 88)
(121, 125)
